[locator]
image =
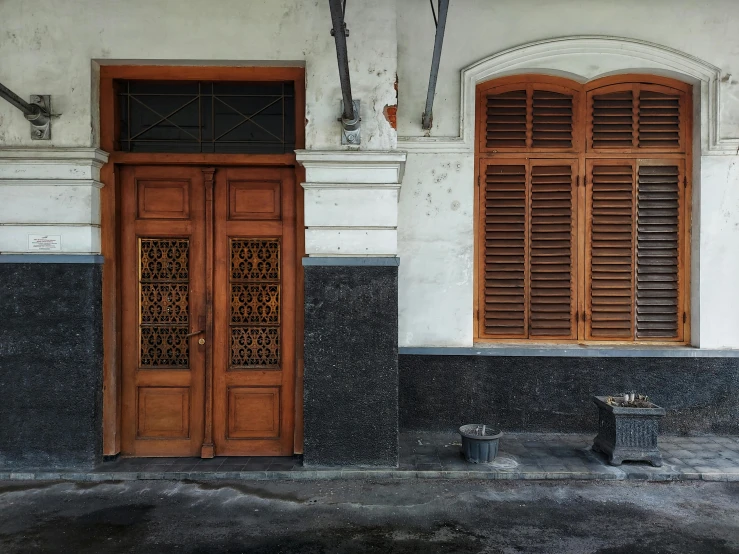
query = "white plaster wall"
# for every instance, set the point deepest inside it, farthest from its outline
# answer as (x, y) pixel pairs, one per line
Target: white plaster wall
(476, 29)
(435, 246)
(47, 47)
(719, 252)
(436, 242)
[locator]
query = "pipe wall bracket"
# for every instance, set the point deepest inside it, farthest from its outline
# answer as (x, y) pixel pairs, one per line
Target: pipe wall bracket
(40, 119)
(351, 132)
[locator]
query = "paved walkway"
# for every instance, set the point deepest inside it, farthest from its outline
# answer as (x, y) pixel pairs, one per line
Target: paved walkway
(436, 456)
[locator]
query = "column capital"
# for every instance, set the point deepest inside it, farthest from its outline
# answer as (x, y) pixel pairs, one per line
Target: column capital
(351, 202)
(352, 166)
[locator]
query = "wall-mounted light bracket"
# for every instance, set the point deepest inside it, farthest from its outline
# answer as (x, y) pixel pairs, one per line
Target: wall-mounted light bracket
(351, 132)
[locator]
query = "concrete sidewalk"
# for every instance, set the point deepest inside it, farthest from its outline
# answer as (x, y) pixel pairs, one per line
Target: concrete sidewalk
(436, 456)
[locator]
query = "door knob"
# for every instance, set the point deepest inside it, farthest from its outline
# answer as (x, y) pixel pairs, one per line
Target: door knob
(201, 341)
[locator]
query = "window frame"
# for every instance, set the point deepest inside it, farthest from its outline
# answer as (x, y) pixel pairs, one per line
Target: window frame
(582, 155)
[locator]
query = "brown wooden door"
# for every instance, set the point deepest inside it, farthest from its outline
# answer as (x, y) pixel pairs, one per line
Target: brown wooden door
(208, 310)
(254, 312)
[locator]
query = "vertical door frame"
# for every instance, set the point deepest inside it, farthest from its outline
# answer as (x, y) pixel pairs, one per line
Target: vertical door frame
(110, 203)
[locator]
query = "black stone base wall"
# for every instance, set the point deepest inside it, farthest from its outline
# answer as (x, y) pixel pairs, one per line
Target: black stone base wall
(554, 394)
(351, 366)
(50, 365)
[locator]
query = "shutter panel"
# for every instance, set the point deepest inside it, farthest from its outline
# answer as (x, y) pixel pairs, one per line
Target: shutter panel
(610, 247)
(634, 117)
(531, 116)
(505, 250)
(506, 120)
(658, 246)
(613, 120)
(552, 247)
(552, 120)
(659, 119)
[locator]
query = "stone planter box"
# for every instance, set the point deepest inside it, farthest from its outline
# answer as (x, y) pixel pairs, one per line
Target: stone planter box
(628, 433)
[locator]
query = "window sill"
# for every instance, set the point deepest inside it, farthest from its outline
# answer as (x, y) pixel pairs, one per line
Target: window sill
(570, 350)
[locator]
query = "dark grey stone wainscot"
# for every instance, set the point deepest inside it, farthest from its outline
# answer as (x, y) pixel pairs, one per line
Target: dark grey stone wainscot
(351, 362)
(551, 389)
(51, 360)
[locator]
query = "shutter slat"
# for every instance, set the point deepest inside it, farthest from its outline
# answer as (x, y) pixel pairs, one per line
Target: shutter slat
(551, 252)
(505, 250)
(659, 120)
(657, 260)
(611, 251)
(506, 120)
(552, 120)
(612, 120)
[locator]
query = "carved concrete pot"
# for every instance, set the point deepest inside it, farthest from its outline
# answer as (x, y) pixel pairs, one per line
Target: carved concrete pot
(479, 443)
(628, 433)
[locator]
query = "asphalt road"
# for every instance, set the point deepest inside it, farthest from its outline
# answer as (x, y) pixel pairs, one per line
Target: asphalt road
(357, 517)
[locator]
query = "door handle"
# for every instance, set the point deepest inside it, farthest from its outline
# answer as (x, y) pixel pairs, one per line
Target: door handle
(195, 333)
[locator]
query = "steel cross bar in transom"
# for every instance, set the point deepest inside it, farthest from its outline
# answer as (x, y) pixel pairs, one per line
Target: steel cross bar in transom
(163, 118)
(249, 118)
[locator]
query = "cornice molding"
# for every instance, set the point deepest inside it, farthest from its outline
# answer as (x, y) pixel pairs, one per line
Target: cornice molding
(78, 155)
(334, 167)
(550, 56)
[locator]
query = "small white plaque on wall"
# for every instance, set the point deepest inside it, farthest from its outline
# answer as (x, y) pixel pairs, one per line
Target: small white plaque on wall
(44, 243)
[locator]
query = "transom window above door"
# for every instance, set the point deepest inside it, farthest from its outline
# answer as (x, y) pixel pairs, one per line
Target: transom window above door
(205, 117)
(583, 210)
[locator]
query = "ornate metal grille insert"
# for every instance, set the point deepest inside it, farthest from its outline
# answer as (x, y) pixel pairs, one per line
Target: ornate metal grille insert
(255, 303)
(205, 116)
(164, 308)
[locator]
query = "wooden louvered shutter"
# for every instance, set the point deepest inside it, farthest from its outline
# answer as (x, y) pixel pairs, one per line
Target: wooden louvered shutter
(612, 120)
(506, 121)
(529, 249)
(610, 250)
(503, 206)
(633, 250)
(529, 116)
(659, 208)
(634, 117)
(552, 249)
(660, 119)
(552, 120)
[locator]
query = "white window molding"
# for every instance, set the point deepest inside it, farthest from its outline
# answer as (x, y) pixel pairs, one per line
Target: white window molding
(571, 57)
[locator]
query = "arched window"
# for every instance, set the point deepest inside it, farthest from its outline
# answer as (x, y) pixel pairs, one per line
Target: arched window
(583, 209)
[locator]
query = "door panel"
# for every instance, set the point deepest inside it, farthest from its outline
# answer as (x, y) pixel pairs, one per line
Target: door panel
(254, 311)
(162, 305)
(208, 293)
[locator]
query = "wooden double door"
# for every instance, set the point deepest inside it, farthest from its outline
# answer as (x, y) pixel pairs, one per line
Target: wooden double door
(208, 292)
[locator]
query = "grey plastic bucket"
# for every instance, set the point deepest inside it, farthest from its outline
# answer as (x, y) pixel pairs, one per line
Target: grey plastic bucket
(476, 447)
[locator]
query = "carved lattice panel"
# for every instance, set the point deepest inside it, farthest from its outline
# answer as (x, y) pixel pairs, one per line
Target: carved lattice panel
(252, 303)
(164, 303)
(255, 303)
(255, 347)
(164, 311)
(164, 259)
(255, 260)
(165, 347)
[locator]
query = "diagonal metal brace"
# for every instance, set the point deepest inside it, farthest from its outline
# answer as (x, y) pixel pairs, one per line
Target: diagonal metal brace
(350, 120)
(37, 111)
(428, 113)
